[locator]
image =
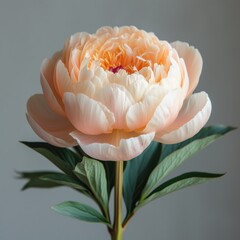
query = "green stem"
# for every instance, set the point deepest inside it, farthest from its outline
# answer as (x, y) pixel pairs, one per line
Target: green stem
(117, 227)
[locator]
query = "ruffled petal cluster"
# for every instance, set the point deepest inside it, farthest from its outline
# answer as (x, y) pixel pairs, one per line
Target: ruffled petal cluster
(116, 91)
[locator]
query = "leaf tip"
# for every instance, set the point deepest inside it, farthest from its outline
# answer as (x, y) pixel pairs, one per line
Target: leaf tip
(53, 207)
(25, 187)
(56, 207)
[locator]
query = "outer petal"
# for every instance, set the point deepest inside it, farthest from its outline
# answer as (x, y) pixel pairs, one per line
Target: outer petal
(88, 115)
(185, 79)
(116, 146)
(48, 125)
(63, 81)
(193, 61)
(192, 117)
(47, 82)
(166, 111)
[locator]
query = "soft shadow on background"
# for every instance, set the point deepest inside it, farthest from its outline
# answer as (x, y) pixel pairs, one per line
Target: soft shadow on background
(32, 30)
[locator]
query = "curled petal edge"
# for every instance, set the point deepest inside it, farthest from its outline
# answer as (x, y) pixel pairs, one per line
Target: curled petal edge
(47, 136)
(184, 129)
(102, 146)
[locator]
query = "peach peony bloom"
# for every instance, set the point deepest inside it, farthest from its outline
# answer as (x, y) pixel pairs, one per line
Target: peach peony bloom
(115, 91)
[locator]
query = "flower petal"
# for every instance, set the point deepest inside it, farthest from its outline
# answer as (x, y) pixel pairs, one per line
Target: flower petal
(185, 79)
(77, 40)
(46, 76)
(65, 84)
(148, 74)
(140, 113)
(48, 125)
(136, 84)
(193, 61)
(166, 111)
(87, 115)
(117, 99)
(117, 146)
(63, 81)
(192, 117)
(173, 78)
(85, 74)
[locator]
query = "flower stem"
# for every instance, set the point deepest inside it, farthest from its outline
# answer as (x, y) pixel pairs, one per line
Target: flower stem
(117, 227)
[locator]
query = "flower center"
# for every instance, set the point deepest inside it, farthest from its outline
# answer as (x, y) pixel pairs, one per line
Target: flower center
(115, 69)
(120, 57)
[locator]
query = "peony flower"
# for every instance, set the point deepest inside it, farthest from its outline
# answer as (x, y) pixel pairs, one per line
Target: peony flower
(116, 91)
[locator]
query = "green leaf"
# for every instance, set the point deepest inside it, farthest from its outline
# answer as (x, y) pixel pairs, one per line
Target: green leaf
(79, 151)
(35, 181)
(179, 182)
(80, 211)
(38, 183)
(92, 173)
(51, 179)
(110, 174)
(64, 180)
(29, 175)
(178, 153)
(137, 172)
(64, 158)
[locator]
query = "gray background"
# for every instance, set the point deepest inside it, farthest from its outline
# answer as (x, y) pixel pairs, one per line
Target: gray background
(32, 30)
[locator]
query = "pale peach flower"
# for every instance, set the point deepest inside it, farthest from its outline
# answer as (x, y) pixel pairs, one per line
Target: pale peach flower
(116, 91)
